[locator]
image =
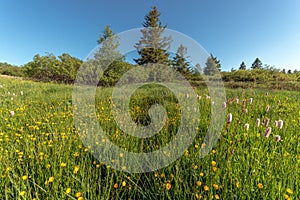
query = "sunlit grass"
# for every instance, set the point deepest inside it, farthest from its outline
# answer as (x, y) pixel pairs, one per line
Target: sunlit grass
(42, 156)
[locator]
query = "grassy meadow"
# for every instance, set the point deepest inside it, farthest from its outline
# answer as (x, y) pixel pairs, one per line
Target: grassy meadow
(42, 156)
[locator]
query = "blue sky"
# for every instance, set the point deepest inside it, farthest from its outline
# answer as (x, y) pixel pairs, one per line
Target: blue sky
(233, 30)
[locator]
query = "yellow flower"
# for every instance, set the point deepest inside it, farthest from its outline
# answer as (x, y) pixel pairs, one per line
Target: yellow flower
(51, 179)
(168, 186)
(22, 193)
(76, 169)
(63, 164)
(217, 196)
(286, 196)
(199, 183)
(213, 163)
(80, 198)
(206, 188)
(237, 184)
(123, 183)
(260, 185)
(201, 174)
(216, 186)
(24, 178)
(116, 185)
(195, 167)
(288, 190)
(214, 169)
(78, 194)
(68, 190)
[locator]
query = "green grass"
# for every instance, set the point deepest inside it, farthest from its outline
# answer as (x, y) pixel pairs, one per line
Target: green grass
(40, 141)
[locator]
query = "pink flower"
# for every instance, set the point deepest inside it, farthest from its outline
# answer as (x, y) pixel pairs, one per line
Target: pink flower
(257, 122)
(237, 100)
(12, 113)
(251, 99)
(246, 126)
(267, 122)
(277, 138)
(280, 124)
(276, 123)
(224, 105)
(229, 118)
(267, 132)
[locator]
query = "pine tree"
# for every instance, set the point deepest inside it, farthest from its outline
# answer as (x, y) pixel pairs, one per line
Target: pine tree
(212, 66)
(242, 66)
(180, 62)
(152, 46)
(109, 44)
(257, 64)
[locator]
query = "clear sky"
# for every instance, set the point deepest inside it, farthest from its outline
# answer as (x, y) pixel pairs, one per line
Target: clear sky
(233, 30)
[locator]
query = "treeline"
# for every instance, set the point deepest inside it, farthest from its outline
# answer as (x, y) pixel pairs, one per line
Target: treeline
(152, 48)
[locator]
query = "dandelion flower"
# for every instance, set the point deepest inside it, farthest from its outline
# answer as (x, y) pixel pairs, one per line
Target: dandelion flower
(124, 183)
(68, 190)
(168, 186)
(215, 186)
(213, 163)
(198, 183)
(51, 179)
(24, 178)
(76, 169)
(288, 190)
(63, 164)
(206, 188)
(78, 194)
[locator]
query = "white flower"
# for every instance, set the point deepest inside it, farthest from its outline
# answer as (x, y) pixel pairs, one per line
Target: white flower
(246, 127)
(267, 108)
(229, 118)
(12, 113)
(251, 99)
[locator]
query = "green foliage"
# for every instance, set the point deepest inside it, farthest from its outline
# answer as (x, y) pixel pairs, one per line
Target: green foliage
(152, 46)
(49, 68)
(11, 70)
